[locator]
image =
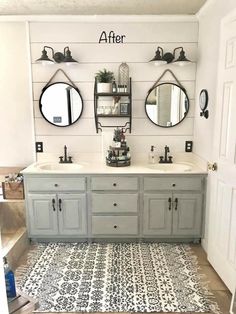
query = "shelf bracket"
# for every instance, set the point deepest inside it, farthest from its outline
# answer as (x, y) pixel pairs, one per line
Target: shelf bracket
(126, 126)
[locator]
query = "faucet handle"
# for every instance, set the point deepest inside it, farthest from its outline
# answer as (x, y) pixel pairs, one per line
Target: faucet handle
(61, 159)
(170, 159)
(69, 159)
(161, 159)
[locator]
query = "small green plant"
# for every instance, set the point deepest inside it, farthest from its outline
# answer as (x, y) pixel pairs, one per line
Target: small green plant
(104, 76)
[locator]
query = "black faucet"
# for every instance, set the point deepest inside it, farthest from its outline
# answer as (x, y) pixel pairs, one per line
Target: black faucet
(64, 159)
(166, 159)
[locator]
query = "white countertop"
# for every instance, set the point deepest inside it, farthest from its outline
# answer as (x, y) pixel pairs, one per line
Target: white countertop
(102, 168)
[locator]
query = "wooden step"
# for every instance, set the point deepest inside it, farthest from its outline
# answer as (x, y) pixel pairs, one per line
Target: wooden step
(22, 304)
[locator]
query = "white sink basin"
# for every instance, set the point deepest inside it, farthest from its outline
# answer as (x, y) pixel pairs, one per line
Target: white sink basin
(174, 167)
(51, 166)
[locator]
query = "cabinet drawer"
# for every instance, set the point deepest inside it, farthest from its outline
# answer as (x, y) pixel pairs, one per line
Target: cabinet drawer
(56, 184)
(172, 183)
(114, 203)
(114, 183)
(114, 225)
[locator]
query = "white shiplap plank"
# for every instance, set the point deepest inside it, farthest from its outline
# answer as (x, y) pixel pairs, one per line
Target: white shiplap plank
(141, 126)
(86, 89)
(138, 110)
(134, 32)
(93, 144)
(81, 127)
(88, 109)
(76, 144)
(139, 89)
(86, 72)
(146, 127)
(141, 52)
(142, 144)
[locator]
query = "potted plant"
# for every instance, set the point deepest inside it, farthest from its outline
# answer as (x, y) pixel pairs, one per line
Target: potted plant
(104, 79)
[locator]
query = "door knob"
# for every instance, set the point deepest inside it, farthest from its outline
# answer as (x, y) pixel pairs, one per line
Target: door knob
(212, 166)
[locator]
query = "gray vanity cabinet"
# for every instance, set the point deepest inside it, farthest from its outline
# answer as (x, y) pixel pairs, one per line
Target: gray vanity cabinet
(173, 206)
(114, 206)
(119, 206)
(57, 214)
(54, 209)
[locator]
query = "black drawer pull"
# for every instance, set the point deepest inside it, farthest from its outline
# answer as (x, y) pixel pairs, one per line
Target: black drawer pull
(114, 204)
(169, 201)
(176, 203)
(56, 185)
(60, 201)
(173, 184)
(53, 204)
(114, 184)
(115, 227)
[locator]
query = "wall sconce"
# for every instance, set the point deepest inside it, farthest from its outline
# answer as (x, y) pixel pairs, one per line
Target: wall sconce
(57, 56)
(162, 58)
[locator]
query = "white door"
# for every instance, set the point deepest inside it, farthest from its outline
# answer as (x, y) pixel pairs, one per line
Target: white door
(222, 229)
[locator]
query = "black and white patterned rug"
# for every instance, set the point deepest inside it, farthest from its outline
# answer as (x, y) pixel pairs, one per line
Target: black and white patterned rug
(121, 277)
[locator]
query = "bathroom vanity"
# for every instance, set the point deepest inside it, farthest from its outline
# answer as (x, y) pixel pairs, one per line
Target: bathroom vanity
(98, 202)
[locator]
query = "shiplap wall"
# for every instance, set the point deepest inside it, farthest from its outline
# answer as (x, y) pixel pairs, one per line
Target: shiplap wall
(139, 46)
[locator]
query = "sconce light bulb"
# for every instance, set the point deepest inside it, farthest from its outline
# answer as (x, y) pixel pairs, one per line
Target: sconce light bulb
(182, 63)
(159, 62)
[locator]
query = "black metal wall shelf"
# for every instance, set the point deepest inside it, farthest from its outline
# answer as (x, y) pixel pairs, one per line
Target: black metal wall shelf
(128, 116)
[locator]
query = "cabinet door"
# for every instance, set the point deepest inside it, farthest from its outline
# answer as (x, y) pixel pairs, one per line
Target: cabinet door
(157, 214)
(72, 214)
(42, 213)
(187, 214)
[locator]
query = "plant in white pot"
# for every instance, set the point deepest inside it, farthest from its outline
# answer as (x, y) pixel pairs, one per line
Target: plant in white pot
(104, 80)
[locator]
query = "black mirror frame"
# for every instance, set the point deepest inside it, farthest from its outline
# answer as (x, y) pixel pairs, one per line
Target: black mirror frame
(187, 109)
(40, 104)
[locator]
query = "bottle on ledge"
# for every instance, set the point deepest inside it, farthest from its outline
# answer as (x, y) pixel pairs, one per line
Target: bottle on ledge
(9, 279)
(114, 87)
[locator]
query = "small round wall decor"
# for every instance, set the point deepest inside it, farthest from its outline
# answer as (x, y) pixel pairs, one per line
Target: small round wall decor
(203, 103)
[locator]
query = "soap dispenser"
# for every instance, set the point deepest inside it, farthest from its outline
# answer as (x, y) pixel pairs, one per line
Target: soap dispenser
(152, 157)
(10, 280)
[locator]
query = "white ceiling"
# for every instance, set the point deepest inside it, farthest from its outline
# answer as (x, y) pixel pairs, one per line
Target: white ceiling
(91, 7)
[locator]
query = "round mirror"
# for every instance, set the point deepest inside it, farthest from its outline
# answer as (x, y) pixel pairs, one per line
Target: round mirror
(61, 104)
(167, 104)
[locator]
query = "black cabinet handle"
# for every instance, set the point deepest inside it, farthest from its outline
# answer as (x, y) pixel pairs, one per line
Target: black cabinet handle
(114, 184)
(53, 204)
(56, 185)
(114, 204)
(176, 203)
(173, 184)
(60, 201)
(169, 201)
(115, 227)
